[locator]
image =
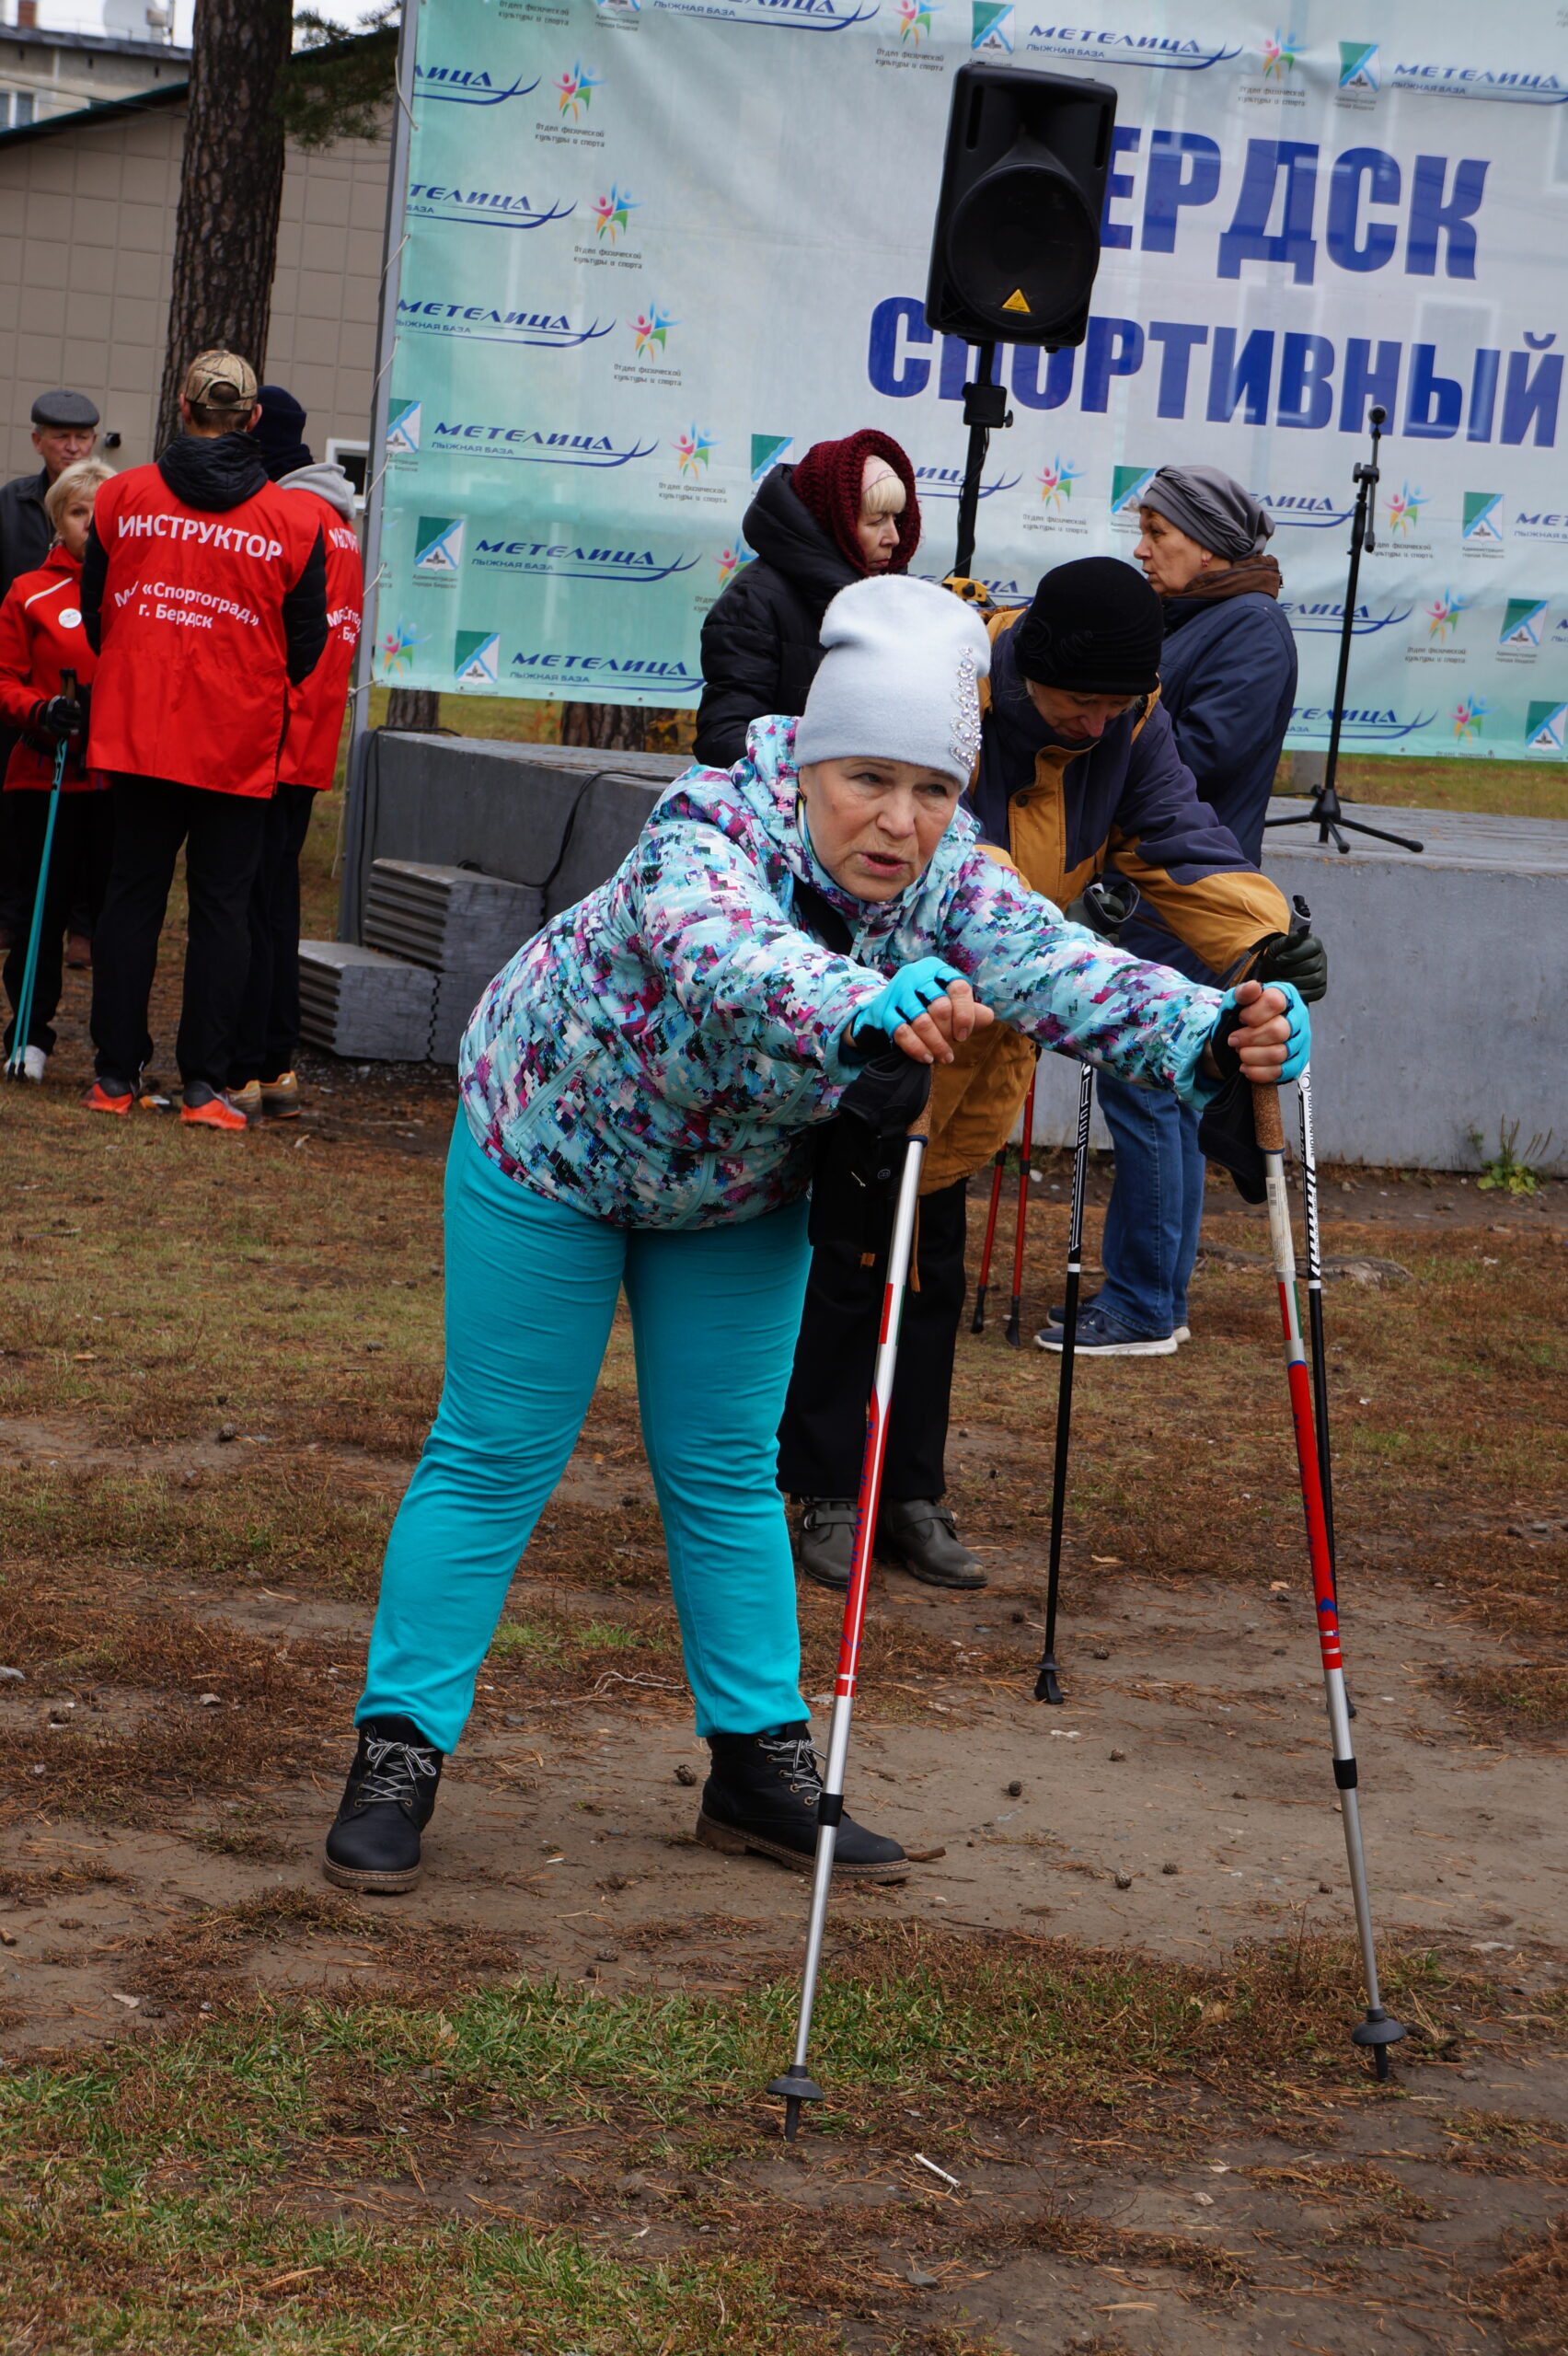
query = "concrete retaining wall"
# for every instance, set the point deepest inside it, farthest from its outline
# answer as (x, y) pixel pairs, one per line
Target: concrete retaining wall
(1448, 1010)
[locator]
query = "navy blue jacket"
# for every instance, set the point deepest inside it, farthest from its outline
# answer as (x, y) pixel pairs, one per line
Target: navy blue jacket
(1227, 679)
(1127, 802)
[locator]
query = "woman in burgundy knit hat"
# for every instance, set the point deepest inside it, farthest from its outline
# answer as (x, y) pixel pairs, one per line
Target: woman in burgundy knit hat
(847, 509)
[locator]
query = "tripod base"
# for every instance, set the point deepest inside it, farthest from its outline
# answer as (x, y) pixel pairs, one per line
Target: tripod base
(1327, 815)
(1378, 2030)
(1048, 1685)
(796, 2087)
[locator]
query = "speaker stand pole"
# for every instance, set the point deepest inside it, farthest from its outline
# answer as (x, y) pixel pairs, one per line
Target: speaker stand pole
(1327, 812)
(984, 410)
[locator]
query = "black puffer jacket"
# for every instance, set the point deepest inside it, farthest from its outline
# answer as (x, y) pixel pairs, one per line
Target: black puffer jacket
(760, 642)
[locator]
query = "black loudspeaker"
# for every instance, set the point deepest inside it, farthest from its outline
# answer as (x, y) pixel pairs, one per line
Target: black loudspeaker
(1017, 237)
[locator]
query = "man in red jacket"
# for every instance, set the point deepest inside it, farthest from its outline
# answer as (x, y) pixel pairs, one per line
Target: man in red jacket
(207, 591)
(262, 1079)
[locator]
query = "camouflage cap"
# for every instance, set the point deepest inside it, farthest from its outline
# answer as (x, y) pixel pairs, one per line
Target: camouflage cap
(220, 380)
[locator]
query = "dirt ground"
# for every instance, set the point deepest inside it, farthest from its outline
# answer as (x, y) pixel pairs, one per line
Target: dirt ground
(206, 1418)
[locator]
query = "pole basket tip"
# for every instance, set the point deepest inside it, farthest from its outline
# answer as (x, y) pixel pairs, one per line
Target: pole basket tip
(792, 2089)
(1012, 1332)
(1378, 2030)
(977, 1323)
(1048, 1685)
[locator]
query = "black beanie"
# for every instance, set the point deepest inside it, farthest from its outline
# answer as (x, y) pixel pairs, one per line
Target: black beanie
(1095, 627)
(280, 431)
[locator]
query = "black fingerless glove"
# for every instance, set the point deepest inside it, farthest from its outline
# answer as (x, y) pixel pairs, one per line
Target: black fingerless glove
(1299, 957)
(59, 717)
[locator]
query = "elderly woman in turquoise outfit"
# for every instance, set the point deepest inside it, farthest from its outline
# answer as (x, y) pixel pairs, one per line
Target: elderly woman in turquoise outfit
(641, 1089)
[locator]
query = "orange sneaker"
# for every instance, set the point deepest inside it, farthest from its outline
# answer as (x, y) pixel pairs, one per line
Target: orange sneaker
(109, 1096)
(209, 1108)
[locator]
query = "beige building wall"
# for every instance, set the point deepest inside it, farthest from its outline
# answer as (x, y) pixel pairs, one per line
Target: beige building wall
(86, 233)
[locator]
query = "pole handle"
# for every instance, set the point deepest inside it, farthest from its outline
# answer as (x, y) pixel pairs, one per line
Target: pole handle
(68, 685)
(1267, 1120)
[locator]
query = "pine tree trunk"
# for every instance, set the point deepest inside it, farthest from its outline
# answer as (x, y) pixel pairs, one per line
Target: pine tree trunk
(607, 727)
(231, 186)
(415, 709)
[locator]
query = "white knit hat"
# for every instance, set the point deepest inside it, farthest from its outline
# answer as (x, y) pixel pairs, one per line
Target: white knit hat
(899, 679)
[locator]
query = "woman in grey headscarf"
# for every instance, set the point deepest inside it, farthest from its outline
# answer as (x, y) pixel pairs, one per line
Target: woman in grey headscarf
(1227, 679)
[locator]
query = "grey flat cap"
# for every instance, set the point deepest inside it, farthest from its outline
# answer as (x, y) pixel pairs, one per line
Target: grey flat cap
(61, 408)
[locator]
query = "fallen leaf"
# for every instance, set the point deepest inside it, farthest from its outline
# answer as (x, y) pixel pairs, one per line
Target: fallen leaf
(130, 2003)
(924, 1857)
(83, 1357)
(1111, 1562)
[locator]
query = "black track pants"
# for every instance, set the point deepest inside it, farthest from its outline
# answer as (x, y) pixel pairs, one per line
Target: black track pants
(823, 1436)
(221, 835)
(267, 1036)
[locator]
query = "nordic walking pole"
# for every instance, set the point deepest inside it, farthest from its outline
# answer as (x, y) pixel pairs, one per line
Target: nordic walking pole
(1300, 923)
(1047, 1684)
(1315, 1316)
(797, 2085)
(15, 1068)
(1379, 2029)
(977, 1323)
(1023, 1171)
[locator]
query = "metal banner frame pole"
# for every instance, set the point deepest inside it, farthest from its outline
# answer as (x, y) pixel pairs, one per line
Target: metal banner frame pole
(350, 839)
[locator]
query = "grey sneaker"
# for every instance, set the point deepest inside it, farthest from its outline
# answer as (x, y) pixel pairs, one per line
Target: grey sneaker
(1050, 1334)
(1100, 1336)
(917, 1535)
(824, 1541)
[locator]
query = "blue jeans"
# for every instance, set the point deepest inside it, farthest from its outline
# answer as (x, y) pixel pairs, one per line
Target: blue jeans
(531, 1289)
(1156, 1207)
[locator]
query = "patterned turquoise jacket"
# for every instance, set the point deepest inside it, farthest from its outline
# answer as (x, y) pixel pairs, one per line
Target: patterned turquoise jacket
(658, 1054)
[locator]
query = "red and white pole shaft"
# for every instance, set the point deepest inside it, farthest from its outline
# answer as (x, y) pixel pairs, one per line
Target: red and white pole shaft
(830, 1808)
(1025, 1146)
(1378, 2030)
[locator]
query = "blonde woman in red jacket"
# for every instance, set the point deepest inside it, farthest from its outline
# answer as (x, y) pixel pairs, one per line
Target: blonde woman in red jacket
(41, 638)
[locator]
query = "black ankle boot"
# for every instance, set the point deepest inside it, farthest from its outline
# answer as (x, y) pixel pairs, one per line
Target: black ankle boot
(762, 1795)
(387, 1801)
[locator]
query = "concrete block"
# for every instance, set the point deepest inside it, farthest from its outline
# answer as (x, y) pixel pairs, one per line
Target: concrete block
(448, 918)
(557, 817)
(355, 1002)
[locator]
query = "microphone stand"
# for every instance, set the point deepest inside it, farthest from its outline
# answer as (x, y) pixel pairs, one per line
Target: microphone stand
(1327, 812)
(985, 408)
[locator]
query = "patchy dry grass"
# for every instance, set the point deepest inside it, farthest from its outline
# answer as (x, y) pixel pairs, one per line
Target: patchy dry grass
(1525, 1702)
(1529, 2296)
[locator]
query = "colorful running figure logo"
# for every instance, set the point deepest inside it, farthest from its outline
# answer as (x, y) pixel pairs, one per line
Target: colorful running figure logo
(1469, 714)
(652, 329)
(914, 20)
(1443, 615)
(575, 90)
(730, 562)
(694, 448)
(1056, 482)
(612, 213)
(1281, 51)
(398, 649)
(1404, 508)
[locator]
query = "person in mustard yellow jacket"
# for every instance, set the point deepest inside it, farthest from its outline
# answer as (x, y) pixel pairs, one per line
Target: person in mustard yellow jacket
(1077, 772)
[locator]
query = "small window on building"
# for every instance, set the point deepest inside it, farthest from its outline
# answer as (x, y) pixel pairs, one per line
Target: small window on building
(24, 108)
(354, 459)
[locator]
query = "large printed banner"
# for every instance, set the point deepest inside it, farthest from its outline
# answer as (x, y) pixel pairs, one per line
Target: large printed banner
(653, 250)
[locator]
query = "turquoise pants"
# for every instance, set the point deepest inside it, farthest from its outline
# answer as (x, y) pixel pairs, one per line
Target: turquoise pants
(531, 1289)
